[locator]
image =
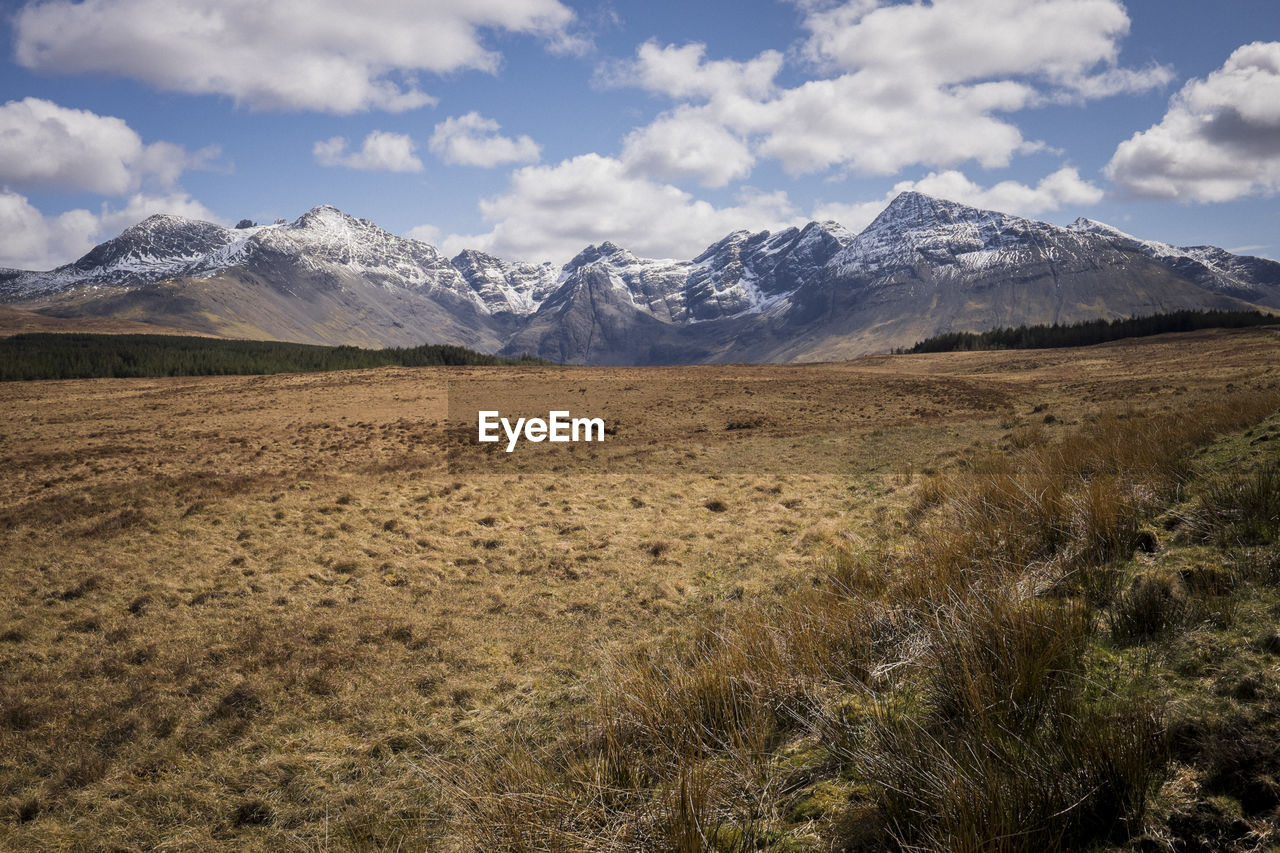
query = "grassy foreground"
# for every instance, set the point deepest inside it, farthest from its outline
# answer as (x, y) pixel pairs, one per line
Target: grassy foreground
(973, 601)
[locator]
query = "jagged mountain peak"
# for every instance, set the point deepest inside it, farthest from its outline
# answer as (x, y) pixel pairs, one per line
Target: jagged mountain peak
(946, 235)
(1084, 225)
(164, 220)
(924, 265)
(914, 211)
(167, 227)
(607, 251)
(827, 226)
(323, 211)
(475, 256)
(325, 218)
(504, 286)
(1242, 276)
(147, 248)
(734, 241)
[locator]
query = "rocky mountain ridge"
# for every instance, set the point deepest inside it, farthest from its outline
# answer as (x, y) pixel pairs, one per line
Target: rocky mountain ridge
(922, 267)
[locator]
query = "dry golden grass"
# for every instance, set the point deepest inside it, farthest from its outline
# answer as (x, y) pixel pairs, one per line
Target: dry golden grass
(277, 613)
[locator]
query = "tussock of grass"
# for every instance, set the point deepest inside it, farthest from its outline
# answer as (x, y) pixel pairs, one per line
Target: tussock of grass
(1240, 507)
(1150, 608)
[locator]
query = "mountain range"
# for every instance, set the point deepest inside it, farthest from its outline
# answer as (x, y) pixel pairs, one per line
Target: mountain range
(925, 266)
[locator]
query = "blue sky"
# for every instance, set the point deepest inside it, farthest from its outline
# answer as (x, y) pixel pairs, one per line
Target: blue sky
(531, 128)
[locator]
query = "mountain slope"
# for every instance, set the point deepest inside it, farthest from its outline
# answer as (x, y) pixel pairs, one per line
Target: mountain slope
(927, 266)
(325, 278)
(1242, 276)
(924, 267)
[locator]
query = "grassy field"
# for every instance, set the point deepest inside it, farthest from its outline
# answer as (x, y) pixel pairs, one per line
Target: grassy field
(853, 606)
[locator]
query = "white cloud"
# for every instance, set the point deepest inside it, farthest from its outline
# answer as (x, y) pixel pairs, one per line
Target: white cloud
(684, 72)
(381, 152)
(907, 84)
(47, 146)
(879, 125)
(34, 241)
(553, 212)
(1062, 42)
(1117, 81)
(1063, 187)
(473, 140)
(687, 144)
(1219, 139)
(325, 55)
(44, 145)
(425, 234)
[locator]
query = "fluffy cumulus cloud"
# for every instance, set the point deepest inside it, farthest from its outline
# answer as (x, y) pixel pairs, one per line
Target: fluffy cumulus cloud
(47, 146)
(552, 212)
(899, 84)
(685, 72)
(326, 55)
(1219, 139)
(1061, 188)
(1071, 45)
(34, 241)
(381, 152)
(687, 144)
(473, 140)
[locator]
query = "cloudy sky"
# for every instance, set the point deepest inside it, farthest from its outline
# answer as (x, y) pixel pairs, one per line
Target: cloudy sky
(531, 128)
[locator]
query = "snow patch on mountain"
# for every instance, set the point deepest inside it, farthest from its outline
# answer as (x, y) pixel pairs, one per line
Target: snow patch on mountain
(744, 273)
(504, 286)
(1243, 276)
(916, 237)
(952, 238)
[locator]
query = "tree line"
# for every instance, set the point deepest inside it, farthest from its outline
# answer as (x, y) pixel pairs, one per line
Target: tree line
(1089, 332)
(85, 356)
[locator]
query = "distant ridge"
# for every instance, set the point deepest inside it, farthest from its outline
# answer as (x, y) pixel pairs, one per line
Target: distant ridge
(924, 267)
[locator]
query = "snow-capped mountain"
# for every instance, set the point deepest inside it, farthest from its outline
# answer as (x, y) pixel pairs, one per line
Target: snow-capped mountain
(951, 238)
(744, 273)
(324, 240)
(156, 248)
(924, 266)
(927, 266)
(1242, 276)
(516, 288)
